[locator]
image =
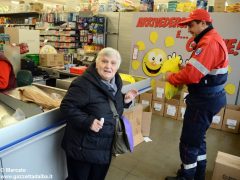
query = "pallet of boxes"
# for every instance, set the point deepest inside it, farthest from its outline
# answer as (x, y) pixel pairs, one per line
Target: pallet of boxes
(162, 106)
(227, 119)
(158, 98)
(175, 107)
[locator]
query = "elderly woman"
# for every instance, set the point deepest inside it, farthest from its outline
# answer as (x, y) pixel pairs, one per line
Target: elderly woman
(88, 139)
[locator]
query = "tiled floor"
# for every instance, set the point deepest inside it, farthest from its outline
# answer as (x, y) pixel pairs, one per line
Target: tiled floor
(160, 158)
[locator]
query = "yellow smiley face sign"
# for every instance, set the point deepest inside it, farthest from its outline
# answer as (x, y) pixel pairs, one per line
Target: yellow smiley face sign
(152, 62)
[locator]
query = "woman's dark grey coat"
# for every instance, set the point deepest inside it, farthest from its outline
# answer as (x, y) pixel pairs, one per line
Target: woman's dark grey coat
(86, 100)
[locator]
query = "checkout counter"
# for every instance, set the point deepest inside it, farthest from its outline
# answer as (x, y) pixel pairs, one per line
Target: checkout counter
(31, 148)
(58, 77)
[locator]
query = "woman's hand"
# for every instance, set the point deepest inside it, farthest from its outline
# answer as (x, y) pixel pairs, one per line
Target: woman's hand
(96, 125)
(130, 95)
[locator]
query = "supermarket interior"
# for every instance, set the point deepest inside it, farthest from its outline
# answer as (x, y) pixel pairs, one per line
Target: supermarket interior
(49, 47)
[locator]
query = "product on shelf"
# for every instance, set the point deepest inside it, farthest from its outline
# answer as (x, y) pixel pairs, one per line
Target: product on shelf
(202, 4)
(91, 33)
(185, 7)
(233, 7)
(3, 39)
(63, 37)
(172, 6)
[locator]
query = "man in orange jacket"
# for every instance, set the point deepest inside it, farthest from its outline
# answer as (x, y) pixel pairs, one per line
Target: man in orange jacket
(7, 76)
(205, 75)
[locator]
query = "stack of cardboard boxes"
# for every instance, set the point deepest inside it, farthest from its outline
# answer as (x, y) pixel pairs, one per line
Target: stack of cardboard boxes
(171, 107)
(228, 119)
(158, 98)
(161, 105)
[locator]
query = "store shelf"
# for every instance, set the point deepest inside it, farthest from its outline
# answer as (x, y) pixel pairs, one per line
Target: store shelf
(56, 36)
(60, 41)
(62, 47)
(58, 29)
(20, 13)
(17, 24)
(19, 18)
(59, 35)
(66, 47)
(92, 31)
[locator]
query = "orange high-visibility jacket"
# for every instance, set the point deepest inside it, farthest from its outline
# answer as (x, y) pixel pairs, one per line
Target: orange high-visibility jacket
(208, 65)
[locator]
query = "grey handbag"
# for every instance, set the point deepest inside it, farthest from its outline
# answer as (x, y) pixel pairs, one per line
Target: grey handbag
(120, 142)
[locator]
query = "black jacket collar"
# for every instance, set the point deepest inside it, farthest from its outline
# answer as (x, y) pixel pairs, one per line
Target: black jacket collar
(199, 36)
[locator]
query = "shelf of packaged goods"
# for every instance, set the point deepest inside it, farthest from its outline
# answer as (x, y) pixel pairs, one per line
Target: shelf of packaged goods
(19, 13)
(73, 35)
(17, 24)
(59, 41)
(64, 47)
(58, 29)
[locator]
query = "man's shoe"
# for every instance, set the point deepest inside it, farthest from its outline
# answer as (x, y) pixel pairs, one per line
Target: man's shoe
(174, 178)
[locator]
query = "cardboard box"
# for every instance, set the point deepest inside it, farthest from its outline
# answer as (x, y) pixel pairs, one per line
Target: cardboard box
(46, 60)
(59, 59)
(134, 115)
(181, 112)
(218, 120)
(136, 100)
(51, 60)
(231, 121)
(146, 120)
(158, 107)
(145, 98)
(227, 166)
(174, 101)
(219, 6)
(171, 111)
(184, 93)
(158, 91)
(36, 7)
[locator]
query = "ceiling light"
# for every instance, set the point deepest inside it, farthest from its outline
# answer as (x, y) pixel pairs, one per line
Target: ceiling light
(15, 2)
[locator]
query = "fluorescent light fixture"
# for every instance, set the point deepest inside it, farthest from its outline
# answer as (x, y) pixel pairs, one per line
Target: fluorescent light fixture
(15, 2)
